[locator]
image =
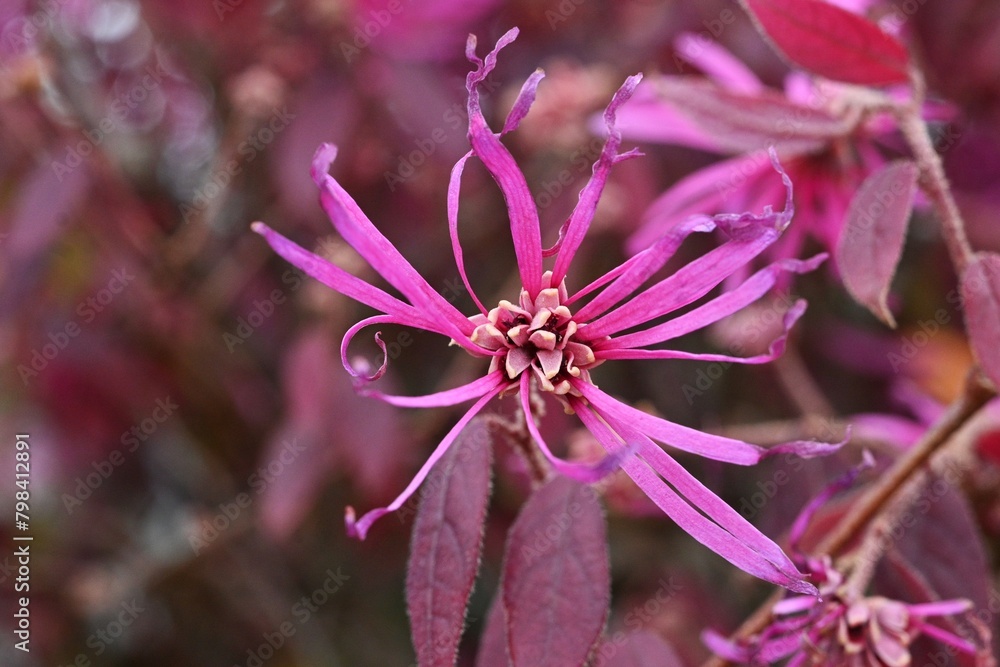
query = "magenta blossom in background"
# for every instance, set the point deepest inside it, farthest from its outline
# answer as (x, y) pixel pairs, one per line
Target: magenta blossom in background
(550, 339)
(828, 145)
(843, 629)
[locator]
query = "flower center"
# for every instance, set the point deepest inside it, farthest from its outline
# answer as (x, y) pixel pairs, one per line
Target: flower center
(539, 335)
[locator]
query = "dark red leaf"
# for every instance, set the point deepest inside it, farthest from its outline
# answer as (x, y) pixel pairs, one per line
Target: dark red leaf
(871, 242)
(831, 41)
(446, 546)
(639, 649)
(493, 644)
(981, 295)
(937, 553)
(742, 122)
(556, 576)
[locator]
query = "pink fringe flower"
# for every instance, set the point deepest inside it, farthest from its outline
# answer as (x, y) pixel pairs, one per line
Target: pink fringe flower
(551, 338)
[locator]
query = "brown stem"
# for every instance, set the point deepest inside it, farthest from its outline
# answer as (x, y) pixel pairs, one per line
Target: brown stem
(933, 180)
(976, 395)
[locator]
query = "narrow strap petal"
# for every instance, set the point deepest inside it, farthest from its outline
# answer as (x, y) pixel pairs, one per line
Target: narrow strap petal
(352, 224)
(454, 188)
(722, 306)
(361, 376)
(500, 163)
(807, 513)
(704, 499)
(688, 517)
(581, 472)
(630, 276)
(466, 392)
(707, 190)
(688, 284)
(583, 212)
(947, 638)
(336, 278)
(524, 100)
(359, 527)
(717, 447)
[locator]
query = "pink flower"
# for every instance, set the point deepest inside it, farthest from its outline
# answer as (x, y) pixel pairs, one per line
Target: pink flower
(550, 339)
(829, 143)
(843, 629)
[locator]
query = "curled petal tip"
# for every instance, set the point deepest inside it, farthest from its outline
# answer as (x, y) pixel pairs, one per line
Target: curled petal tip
(259, 227)
(322, 159)
(351, 524)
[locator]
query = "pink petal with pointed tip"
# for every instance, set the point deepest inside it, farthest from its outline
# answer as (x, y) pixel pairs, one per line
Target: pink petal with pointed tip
(467, 392)
(684, 514)
(358, 528)
(501, 166)
(352, 224)
(722, 306)
(336, 278)
(583, 213)
(719, 448)
(580, 472)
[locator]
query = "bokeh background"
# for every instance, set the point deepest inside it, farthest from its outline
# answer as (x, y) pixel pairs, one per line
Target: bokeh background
(194, 438)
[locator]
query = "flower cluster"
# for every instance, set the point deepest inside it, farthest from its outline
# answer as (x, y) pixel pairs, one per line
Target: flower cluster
(552, 337)
(843, 628)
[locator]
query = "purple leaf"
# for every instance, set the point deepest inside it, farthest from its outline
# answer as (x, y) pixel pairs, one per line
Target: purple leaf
(981, 295)
(937, 553)
(493, 643)
(741, 123)
(556, 576)
(871, 242)
(639, 649)
(446, 546)
(831, 41)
